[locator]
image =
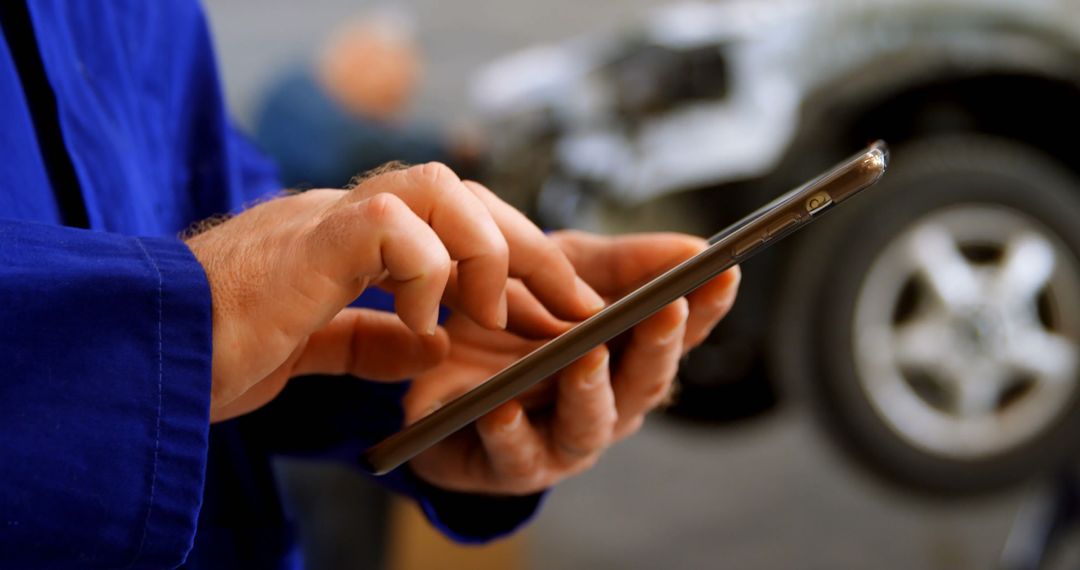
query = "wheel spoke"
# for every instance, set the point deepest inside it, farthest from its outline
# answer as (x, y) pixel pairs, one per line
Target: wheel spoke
(920, 344)
(1046, 355)
(1027, 266)
(949, 275)
(978, 392)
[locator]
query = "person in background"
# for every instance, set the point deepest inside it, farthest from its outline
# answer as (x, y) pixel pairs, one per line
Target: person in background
(355, 100)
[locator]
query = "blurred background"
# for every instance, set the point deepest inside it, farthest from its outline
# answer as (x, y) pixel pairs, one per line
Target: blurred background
(897, 386)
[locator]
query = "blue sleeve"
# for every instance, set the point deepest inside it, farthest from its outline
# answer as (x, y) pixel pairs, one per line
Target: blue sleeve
(464, 517)
(338, 417)
(104, 398)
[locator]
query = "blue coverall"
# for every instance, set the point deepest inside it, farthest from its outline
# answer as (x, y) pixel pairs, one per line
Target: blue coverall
(114, 137)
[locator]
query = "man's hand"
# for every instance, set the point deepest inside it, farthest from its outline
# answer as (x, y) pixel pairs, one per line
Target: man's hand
(282, 273)
(563, 425)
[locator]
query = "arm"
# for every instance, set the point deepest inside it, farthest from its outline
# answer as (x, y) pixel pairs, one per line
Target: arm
(339, 416)
(104, 397)
(282, 272)
(500, 473)
(322, 262)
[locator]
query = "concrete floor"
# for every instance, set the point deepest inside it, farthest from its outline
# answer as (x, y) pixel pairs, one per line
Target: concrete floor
(765, 494)
(769, 493)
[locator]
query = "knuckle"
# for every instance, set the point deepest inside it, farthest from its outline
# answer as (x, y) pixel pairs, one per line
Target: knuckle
(725, 306)
(492, 240)
(735, 278)
(432, 173)
(381, 208)
(583, 442)
(440, 263)
(660, 346)
(574, 450)
(577, 466)
(528, 485)
(609, 420)
(657, 393)
(499, 249)
(588, 462)
(697, 339)
(680, 310)
(524, 470)
(602, 425)
(632, 426)
(592, 439)
(551, 256)
(669, 343)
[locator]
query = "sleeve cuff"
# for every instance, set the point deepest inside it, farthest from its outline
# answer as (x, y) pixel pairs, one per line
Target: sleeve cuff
(475, 519)
(466, 518)
(183, 404)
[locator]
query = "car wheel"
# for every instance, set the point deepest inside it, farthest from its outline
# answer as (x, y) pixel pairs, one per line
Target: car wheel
(942, 316)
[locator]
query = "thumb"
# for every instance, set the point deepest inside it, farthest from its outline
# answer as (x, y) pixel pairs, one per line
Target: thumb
(373, 345)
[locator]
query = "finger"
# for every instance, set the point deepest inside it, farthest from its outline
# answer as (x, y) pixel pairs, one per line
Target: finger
(471, 367)
(373, 345)
(465, 227)
(356, 242)
(538, 261)
(585, 409)
(649, 364)
(527, 316)
(614, 265)
(710, 303)
(513, 448)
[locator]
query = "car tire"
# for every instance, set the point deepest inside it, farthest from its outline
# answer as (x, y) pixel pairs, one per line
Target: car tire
(931, 415)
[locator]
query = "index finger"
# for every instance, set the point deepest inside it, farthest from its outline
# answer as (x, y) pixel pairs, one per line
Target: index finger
(465, 227)
(538, 261)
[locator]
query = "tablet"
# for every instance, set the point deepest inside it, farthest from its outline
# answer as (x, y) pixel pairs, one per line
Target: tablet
(744, 238)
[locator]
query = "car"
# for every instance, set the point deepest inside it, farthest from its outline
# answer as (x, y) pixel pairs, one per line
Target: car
(934, 322)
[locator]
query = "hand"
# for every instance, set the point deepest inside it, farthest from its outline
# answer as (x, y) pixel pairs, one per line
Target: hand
(562, 426)
(282, 273)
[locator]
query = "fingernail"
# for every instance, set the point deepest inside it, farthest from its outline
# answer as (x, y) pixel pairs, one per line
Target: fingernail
(431, 409)
(723, 306)
(671, 336)
(432, 325)
(501, 311)
(588, 297)
(597, 374)
(514, 422)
